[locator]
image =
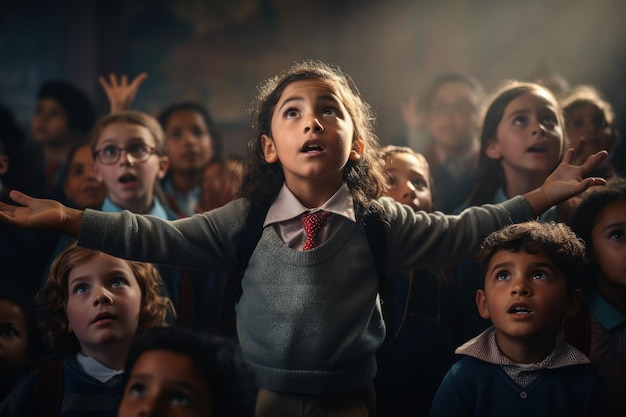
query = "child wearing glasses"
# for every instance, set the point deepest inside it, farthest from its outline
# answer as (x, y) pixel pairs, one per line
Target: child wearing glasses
(130, 158)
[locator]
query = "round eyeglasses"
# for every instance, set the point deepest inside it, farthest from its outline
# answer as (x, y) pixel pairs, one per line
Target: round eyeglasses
(110, 154)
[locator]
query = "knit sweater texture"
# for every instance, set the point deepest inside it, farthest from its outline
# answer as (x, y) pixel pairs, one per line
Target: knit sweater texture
(310, 322)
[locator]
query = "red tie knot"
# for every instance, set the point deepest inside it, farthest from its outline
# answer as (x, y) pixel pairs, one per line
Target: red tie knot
(312, 224)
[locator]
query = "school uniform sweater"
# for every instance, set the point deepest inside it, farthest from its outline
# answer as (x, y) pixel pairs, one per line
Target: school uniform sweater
(487, 383)
(83, 395)
(310, 322)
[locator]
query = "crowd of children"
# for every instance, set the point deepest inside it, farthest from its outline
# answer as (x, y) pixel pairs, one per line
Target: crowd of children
(354, 288)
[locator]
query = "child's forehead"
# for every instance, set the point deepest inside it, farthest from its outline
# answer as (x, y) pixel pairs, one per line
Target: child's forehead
(520, 257)
(311, 87)
(124, 132)
(409, 160)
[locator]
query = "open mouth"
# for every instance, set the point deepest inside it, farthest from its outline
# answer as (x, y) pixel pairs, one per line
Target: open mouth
(103, 316)
(537, 149)
(126, 178)
(520, 309)
(312, 146)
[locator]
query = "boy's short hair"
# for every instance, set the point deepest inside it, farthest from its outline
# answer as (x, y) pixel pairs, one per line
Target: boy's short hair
(134, 118)
(556, 240)
(53, 296)
(231, 378)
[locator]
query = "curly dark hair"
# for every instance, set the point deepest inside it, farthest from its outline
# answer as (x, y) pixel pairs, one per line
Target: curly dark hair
(53, 296)
(365, 177)
(230, 377)
(556, 240)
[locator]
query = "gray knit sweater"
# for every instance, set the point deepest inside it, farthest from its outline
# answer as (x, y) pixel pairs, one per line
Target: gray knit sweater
(310, 322)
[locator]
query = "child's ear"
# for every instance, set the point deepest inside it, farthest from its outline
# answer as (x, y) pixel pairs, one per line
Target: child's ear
(481, 303)
(574, 300)
(4, 164)
(357, 149)
(493, 150)
(269, 149)
(164, 165)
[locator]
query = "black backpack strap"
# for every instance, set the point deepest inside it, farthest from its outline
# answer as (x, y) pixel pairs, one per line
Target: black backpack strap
(231, 292)
(377, 239)
(49, 388)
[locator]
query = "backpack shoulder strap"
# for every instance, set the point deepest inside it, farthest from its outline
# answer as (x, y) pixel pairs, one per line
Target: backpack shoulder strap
(377, 240)
(49, 388)
(250, 236)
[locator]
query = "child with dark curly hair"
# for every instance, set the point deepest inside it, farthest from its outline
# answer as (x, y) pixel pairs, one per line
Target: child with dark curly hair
(520, 366)
(177, 371)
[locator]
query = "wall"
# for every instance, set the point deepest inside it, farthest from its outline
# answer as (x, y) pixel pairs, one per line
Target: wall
(217, 52)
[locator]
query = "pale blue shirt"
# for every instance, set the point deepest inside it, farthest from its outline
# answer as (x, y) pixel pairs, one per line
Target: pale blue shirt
(157, 208)
(286, 210)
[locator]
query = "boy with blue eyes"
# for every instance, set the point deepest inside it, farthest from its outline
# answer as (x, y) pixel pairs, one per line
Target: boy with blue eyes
(95, 305)
(520, 365)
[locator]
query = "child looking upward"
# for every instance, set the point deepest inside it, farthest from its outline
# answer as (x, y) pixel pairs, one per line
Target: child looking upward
(521, 143)
(600, 328)
(95, 305)
(309, 317)
(590, 124)
(174, 371)
(416, 355)
(520, 366)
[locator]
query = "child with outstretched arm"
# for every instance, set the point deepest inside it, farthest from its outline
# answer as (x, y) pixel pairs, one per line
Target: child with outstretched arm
(309, 316)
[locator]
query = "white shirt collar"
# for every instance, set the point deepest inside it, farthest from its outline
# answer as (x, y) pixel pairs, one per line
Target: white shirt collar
(286, 206)
(96, 369)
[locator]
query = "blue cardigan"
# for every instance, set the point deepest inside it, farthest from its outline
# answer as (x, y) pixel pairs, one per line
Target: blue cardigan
(476, 388)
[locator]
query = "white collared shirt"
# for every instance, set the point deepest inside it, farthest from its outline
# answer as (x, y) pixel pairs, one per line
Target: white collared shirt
(285, 212)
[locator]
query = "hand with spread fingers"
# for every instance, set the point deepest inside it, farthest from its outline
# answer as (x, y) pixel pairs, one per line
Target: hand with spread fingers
(120, 93)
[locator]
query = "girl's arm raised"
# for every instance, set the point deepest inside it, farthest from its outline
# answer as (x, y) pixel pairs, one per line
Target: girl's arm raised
(41, 214)
(565, 182)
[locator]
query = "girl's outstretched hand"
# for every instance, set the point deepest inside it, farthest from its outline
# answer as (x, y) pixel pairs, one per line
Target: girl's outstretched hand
(566, 181)
(121, 94)
(40, 214)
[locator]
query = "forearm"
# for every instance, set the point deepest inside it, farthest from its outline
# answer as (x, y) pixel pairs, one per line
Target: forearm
(73, 218)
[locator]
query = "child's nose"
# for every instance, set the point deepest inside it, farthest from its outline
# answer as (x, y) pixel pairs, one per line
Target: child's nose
(539, 130)
(410, 191)
(313, 124)
(149, 406)
(103, 297)
(520, 287)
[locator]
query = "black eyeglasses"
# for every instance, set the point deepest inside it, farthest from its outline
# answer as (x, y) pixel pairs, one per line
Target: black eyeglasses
(110, 154)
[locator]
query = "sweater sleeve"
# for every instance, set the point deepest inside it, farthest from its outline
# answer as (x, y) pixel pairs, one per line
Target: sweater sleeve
(450, 399)
(424, 240)
(207, 240)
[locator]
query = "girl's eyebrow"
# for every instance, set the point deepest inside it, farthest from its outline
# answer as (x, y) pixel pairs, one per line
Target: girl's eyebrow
(519, 111)
(616, 224)
(289, 100)
(322, 98)
(146, 376)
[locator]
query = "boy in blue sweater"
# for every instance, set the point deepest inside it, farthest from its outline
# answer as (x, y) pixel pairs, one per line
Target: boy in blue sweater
(520, 366)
